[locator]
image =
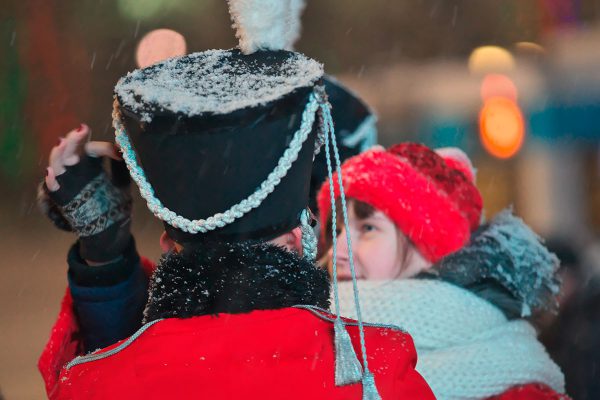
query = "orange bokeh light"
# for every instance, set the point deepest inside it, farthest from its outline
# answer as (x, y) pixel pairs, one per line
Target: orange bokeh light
(158, 45)
(501, 127)
(498, 85)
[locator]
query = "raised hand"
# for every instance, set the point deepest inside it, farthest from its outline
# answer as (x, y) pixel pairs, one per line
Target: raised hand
(69, 151)
(78, 195)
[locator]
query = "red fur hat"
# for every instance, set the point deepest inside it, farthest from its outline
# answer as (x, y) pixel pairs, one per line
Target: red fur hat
(435, 205)
(457, 159)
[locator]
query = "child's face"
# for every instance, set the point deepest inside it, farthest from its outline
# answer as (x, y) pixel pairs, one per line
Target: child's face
(378, 247)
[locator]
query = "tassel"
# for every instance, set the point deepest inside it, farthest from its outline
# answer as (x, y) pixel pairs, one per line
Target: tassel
(369, 389)
(347, 367)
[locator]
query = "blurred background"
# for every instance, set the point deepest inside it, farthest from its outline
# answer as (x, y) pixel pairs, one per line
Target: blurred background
(514, 83)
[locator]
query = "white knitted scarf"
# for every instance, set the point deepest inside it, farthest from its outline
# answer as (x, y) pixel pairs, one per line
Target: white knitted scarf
(467, 349)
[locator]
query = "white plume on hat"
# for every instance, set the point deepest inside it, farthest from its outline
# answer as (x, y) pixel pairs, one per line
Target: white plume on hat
(266, 24)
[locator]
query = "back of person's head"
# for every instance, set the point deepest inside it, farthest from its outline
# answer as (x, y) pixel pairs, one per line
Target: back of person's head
(507, 264)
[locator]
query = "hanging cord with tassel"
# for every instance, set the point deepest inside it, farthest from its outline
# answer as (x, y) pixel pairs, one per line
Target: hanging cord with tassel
(347, 367)
(348, 370)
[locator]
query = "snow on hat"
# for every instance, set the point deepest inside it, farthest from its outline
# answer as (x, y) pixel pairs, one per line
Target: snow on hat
(434, 205)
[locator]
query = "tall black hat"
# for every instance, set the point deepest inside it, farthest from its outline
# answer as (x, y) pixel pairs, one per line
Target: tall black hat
(221, 143)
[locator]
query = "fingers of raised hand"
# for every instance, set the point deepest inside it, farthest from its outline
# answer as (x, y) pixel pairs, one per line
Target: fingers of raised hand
(51, 182)
(69, 150)
(56, 160)
(75, 144)
(102, 149)
(66, 152)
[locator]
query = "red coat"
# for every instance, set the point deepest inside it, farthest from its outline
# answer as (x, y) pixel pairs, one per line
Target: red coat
(273, 354)
(289, 351)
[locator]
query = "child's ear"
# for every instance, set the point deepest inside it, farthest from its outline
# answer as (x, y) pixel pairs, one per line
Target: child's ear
(291, 241)
(166, 243)
(295, 240)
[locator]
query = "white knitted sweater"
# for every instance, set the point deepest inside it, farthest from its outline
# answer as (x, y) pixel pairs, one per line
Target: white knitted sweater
(467, 348)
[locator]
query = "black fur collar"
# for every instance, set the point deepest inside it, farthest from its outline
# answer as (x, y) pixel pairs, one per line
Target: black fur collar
(234, 278)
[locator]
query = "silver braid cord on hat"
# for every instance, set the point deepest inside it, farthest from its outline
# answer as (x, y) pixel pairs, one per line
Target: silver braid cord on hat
(219, 220)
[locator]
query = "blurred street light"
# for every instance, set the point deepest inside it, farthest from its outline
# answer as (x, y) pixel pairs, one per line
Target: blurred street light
(502, 127)
(498, 85)
(490, 59)
(158, 45)
(530, 48)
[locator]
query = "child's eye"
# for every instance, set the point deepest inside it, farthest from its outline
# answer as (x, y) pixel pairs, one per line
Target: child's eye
(367, 228)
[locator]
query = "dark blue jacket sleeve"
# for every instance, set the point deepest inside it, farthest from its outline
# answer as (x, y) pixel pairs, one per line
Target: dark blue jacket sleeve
(108, 300)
